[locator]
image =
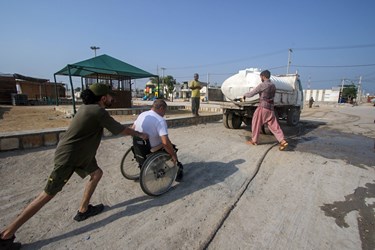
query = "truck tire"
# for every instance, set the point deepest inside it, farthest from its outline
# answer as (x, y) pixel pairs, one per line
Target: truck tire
(276, 115)
(293, 117)
(264, 129)
(248, 121)
(234, 121)
(225, 120)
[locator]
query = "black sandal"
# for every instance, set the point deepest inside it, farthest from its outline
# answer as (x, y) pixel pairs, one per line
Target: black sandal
(9, 243)
(180, 172)
(91, 211)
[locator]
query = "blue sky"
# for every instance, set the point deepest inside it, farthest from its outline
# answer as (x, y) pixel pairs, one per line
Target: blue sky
(331, 40)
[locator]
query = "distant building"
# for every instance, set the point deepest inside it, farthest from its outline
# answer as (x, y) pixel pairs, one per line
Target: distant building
(331, 95)
(18, 89)
(323, 95)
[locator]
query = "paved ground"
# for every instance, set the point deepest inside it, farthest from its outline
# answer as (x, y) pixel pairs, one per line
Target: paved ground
(320, 194)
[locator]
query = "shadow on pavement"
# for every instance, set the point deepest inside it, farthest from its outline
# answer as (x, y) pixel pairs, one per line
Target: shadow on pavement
(199, 175)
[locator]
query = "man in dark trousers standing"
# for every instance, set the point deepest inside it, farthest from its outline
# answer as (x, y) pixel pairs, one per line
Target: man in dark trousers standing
(311, 101)
(195, 87)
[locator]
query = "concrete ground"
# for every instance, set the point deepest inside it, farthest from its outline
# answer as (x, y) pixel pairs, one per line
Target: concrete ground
(319, 194)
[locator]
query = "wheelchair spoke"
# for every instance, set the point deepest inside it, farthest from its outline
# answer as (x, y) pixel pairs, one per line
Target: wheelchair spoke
(130, 168)
(158, 174)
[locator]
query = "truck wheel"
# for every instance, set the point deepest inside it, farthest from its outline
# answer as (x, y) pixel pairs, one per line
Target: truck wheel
(234, 121)
(293, 117)
(248, 121)
(276, 115)
(225, 120)
(263, 129)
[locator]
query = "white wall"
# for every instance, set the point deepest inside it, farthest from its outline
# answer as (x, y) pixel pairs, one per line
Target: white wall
(322, 95)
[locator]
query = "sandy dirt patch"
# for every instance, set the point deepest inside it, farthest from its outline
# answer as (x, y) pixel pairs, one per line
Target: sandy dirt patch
(25, 118)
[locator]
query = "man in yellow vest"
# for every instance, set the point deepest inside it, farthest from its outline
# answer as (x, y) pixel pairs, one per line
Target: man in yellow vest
(195, 87)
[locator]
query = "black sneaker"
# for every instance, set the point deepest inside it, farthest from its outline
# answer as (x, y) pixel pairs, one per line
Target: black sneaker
(180, 172)
(91, 211)
(9, 244)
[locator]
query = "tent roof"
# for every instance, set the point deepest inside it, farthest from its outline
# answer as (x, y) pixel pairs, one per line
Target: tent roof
(104, 65)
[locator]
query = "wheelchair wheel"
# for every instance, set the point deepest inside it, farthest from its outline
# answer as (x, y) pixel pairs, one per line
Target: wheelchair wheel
(129, 166)
(157, 174)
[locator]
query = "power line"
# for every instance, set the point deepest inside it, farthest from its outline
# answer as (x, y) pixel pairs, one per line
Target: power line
(211, 74)
(338, 47)
(334, 66)
(229, 61)
(278, 67)
(369, 74)
(280, 52)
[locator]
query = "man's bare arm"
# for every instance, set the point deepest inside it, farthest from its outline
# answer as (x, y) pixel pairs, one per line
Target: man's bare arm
(167, 144)
(132, 132)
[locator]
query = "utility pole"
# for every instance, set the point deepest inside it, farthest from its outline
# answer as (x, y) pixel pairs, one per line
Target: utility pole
(289, 60)
(342, 90)
(208, 83)
(309, 83)
(359, 91)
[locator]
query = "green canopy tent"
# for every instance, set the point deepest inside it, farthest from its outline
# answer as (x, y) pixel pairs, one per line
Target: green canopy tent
(102, 67)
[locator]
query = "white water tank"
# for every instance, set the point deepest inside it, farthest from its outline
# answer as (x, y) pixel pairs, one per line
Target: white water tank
(237, 85)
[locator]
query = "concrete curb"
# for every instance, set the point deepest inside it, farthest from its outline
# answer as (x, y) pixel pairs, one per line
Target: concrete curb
(137, 110)
(50, 137)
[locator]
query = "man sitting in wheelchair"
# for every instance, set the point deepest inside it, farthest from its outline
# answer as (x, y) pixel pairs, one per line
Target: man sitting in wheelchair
(152, 123)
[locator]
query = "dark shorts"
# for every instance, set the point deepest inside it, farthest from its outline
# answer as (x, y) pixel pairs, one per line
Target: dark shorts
(62, 173)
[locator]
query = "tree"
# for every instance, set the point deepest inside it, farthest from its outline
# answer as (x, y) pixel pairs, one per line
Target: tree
(349, 92)
(154, 80)
(170, 82)
(167, 85)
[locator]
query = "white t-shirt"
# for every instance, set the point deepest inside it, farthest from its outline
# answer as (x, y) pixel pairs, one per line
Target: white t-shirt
(152, 124)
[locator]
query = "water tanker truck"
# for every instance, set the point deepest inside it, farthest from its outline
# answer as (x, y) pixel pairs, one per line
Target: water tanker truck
(288, 99)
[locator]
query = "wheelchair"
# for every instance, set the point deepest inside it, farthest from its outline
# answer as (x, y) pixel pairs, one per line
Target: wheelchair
(155, 170)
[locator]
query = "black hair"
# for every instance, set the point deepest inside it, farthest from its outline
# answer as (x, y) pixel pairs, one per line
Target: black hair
(159, 103)
(88, 97)
(266, 74)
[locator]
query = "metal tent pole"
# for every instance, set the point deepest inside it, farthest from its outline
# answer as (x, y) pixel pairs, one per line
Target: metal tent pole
(71, 85)
(57, 98)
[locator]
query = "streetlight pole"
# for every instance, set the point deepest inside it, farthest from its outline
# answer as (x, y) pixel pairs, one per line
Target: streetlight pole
(94, 48)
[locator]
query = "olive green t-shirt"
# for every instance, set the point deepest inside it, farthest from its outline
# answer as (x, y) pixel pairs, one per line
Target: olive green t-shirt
(79, 144)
